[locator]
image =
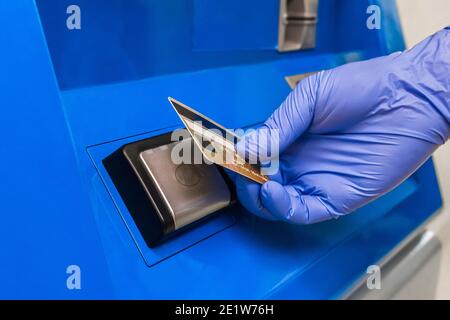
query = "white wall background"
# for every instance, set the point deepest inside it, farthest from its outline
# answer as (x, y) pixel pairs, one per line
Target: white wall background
(419, 19)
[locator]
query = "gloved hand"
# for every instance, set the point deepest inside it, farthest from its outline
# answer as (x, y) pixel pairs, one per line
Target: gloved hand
(350, 134)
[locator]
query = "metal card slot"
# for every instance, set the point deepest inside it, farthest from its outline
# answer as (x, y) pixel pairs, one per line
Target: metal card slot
(164, 197)
(295, 79)
(297, 25)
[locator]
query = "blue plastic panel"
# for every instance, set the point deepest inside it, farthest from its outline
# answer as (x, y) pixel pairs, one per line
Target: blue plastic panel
(115, 75)
(47, 222)
(123, 40)
(235, 25)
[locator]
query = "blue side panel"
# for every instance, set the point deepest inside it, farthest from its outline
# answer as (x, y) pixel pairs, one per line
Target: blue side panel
(47, 224)
(68, 98)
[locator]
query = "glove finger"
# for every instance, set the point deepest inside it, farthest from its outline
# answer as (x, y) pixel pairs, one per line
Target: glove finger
(249, 196)
(284, 126)
(295, 114)
(260, 145)
(286, 203)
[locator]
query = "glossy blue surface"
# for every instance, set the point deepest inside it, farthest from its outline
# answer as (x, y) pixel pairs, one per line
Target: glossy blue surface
(123, 40)
(70, 97)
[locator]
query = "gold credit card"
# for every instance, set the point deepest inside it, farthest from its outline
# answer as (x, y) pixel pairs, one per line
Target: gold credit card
(216, 142)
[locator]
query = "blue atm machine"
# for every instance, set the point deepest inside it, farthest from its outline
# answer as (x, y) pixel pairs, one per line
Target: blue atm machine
(72, 95)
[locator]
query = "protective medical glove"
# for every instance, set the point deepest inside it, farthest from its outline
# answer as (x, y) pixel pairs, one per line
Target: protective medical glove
(350, 134)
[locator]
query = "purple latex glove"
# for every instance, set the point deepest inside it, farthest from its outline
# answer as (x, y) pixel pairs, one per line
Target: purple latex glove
(350, 134)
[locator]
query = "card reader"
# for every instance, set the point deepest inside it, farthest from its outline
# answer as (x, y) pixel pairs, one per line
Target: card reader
(164, 196)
